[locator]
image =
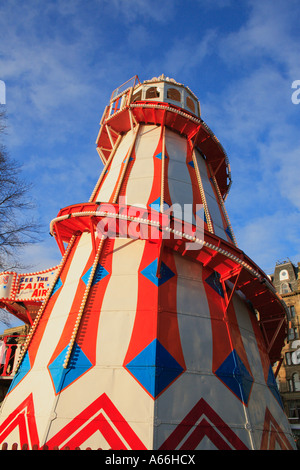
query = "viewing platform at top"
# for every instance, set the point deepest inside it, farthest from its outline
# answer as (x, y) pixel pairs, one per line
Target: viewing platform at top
(163, 102)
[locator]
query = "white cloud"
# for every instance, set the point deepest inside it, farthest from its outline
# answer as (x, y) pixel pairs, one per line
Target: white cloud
(264, 237)
(145, 10)
(254, 118)
(183, 55)
(250, 106)
(40, 256)
(47, 69)
(268, 34)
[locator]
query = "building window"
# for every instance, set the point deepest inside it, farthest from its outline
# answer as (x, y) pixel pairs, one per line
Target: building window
(291, 312)
(284, 288)
(295, 356)
(294, 383)
(294, 409)
(190, 104)
(292, 334)
(173, 94)
(288, 358)
(152, 92)
(137, 96)
(283, 275)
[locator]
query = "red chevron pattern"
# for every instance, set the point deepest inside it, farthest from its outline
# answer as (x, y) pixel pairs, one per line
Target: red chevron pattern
(202, 421)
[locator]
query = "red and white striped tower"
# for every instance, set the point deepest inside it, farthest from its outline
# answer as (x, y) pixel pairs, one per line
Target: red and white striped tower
(158, 331)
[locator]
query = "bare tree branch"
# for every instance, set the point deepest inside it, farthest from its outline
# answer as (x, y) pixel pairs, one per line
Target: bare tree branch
(16, 229)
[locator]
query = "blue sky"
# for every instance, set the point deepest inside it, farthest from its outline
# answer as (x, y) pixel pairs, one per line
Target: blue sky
(60, 61)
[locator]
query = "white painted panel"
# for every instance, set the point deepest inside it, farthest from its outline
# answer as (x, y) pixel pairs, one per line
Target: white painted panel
(176, 146)
(119, 303)
(179, 181)
(214, 210)
(178, 171)
(204, 176)
(108, 184)
(193, 316)
(212, 203)
(147, 141)
(141, 175)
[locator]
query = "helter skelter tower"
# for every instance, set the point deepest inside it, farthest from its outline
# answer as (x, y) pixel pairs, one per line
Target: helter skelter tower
(158, 332)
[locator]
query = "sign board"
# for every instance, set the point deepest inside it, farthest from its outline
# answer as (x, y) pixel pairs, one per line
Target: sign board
(26, 287)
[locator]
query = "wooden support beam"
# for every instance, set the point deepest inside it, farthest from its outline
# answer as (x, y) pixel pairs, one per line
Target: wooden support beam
(29, 317)
(193, 134)
(101, 155)
(109, 136)
(278, 367)
(271, 343)
(213, 173)
(215, 253)
(229, 299)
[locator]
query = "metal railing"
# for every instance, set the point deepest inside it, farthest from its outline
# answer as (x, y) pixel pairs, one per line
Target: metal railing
(10, 347)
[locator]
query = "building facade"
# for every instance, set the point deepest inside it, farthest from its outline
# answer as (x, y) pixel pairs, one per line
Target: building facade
(286, 279)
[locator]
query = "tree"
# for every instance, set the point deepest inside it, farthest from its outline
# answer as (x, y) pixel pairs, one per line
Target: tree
(16, 229)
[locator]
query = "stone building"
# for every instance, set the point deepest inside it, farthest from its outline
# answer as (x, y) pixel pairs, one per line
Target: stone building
(286, 279)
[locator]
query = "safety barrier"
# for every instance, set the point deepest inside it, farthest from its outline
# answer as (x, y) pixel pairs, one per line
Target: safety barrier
(10, 348)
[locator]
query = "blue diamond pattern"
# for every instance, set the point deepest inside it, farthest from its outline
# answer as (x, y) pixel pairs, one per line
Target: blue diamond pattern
(227, 230)
(156, 205)
(154, 368)
(214, 281)
(23, 370)
(234, 374)
(78, 365)
(159, 155)
(57, 286)
(130, 159)
(271, 382)
(100, 273)
(150, 273)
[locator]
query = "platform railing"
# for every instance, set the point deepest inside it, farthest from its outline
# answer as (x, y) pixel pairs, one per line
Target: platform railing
(10, 347)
